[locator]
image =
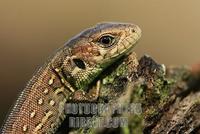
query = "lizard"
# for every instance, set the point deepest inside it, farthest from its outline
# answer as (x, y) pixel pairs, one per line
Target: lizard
(66, 76)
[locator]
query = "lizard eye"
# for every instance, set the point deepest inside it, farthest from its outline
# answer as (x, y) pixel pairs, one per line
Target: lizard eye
(106, 40)
(79, 63)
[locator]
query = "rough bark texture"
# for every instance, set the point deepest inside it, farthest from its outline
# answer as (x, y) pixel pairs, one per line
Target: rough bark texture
(169, 96)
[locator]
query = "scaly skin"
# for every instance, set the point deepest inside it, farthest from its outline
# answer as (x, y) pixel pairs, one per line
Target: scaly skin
(66, 76)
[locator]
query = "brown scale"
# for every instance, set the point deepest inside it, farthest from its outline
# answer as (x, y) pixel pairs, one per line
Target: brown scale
(37, 103)
(86, 52)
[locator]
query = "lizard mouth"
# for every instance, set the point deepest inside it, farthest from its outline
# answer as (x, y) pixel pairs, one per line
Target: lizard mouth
(132, 41)
(126, 46)
(118, 58)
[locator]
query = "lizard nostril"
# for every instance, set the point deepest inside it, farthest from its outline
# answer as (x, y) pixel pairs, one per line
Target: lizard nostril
(133, 30)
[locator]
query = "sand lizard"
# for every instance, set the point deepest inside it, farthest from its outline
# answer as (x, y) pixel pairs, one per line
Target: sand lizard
(67, 75)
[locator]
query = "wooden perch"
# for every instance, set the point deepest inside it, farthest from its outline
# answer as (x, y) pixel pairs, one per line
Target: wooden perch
(169, 96)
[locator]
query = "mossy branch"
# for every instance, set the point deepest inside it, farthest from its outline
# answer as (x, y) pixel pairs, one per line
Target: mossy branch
(169, 96)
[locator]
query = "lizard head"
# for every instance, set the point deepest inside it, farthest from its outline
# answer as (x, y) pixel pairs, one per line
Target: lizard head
(96, 48)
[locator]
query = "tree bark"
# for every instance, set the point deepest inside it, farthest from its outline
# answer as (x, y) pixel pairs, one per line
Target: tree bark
(169, 97)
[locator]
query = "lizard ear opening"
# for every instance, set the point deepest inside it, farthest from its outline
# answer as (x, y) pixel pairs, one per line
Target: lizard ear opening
(79, 63)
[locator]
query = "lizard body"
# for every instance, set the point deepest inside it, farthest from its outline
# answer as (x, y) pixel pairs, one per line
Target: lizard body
(40, 107)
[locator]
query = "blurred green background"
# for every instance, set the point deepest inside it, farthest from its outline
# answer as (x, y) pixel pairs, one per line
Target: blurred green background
(30, 30)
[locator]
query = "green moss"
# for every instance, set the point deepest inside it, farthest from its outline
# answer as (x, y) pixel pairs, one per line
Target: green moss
(136, 124)
(120, 71)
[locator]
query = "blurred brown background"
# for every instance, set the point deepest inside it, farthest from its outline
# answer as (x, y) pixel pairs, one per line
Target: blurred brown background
(30, 30)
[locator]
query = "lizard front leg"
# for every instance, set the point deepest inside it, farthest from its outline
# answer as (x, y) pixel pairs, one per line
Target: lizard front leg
(80, 95)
